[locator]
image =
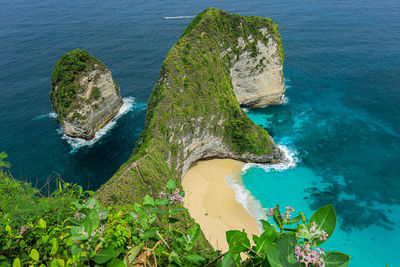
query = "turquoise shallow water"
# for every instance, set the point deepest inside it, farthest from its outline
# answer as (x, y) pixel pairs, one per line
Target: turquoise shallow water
(335, 154)
(341, 119)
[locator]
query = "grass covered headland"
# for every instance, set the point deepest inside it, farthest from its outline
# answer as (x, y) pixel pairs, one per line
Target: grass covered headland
(192, 105)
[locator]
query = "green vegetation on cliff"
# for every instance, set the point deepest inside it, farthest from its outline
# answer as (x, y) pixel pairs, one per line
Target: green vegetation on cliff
(70, 228)
(195, 82)
(64, 80)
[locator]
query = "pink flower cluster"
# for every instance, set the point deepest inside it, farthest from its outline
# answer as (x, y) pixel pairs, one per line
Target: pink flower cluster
(82, 231)
(78, 215)
(99, 231)
(323, 234)
(286, 215)
(270, 213)
(162, 194)
(309, 256)
(175, 197)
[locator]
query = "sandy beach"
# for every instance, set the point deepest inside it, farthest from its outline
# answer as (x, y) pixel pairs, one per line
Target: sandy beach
(211, 201)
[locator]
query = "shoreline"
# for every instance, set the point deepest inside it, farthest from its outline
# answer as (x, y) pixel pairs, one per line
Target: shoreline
(211, 201)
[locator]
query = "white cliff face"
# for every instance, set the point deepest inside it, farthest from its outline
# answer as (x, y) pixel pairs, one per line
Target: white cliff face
(97, 104)
(203, 144)
(258, 81)
(207, 145)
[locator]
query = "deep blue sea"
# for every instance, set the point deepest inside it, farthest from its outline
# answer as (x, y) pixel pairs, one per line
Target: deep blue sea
(340, 123)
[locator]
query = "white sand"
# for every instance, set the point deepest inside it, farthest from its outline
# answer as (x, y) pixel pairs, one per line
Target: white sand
(211, 201)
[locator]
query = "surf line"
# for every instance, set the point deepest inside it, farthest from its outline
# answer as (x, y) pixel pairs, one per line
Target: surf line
(77, 143)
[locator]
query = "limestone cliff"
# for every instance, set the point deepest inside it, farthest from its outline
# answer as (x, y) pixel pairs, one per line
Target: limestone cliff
(84, 94)
(193, 112)
(258, 79)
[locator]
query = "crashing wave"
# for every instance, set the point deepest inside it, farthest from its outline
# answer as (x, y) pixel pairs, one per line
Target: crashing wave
(289, 160)
(51, 115)
(246, 199)
(77, 143)
(284, 100)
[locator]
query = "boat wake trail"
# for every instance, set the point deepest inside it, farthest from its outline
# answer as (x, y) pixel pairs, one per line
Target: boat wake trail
(179, 17)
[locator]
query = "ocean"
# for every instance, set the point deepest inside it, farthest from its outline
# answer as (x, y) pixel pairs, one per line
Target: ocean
(339, 124)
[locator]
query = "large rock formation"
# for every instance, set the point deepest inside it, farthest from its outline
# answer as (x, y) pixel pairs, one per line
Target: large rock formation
(193, 112)
(258, 79)
(84, 94)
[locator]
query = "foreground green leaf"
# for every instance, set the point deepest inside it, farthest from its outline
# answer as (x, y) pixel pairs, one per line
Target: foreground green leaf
(336, 259)
(34, 255)
(16, 263)
(286, 249)
(116, 263)
(265, 239)
(238, 242)
(193, 235)
(194, 258)
(173, 257)
(171, 185)
(106, 254)
(228, 261)
(42, 223)
(133, 252)
(325, 218)
(148, 200)
(274, 256)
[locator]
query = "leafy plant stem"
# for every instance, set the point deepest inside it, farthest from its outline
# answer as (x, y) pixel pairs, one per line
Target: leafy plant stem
(163, 240)
(214, 260)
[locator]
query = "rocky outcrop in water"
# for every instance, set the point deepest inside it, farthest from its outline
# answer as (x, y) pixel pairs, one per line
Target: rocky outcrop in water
(84, 94)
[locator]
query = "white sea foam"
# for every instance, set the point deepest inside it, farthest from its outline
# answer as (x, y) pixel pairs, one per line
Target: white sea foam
(51, 115)
(179, 17)
(284, 100)
(244, 197)
(289, 160)
(248, 201)
(77, 143)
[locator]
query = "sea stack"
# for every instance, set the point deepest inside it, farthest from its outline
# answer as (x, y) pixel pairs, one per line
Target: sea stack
(84, 94)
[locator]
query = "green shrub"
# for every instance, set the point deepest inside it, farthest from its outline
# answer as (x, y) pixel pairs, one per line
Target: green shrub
(70, 227)
(64, 85)
(95, 94)
(296, 243)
